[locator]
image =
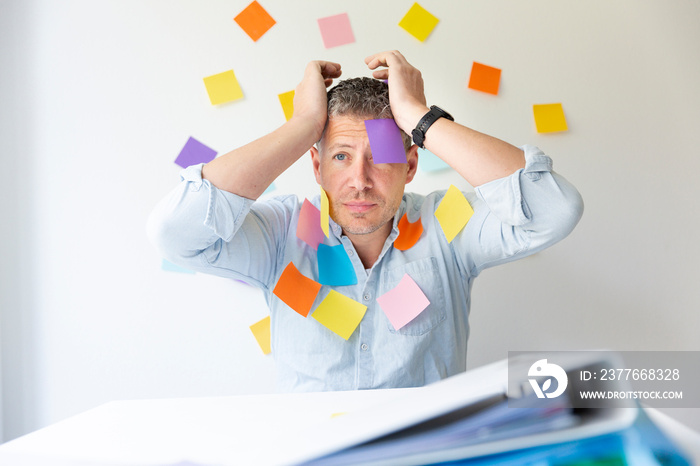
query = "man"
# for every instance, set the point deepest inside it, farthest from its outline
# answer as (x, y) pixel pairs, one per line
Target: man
(211, 223)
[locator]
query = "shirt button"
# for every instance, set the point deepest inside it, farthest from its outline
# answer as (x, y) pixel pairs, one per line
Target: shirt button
(367, 297)
(351, 253)
(364, 347)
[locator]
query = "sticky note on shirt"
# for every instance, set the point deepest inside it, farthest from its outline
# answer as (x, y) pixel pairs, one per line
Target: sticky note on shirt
(419, 22)
(385, 141)
(336, 30)
(261, 332)
(254, 20)
(408, 233)
(340, 314)
(193, 153)
(549, 118)
(334, 266)
(223, 87)
(325, 216)
(287, 102)
(309, 225)
(485, 78)
(296, 290)
(403, 303)
(453, 213)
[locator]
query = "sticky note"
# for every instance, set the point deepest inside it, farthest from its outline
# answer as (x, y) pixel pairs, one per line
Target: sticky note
(296, 290)
(170, 267)
(261, 332)
(403, 303)
(334, 266)
(223, 87)
(485, 78)
(287, 102)
(336, 30)
(453, 213)
(339, 314)
(429, 162)
(193, 153)
(254, 20)
(269, 189)
(419, 22)
(385, 141)
(325, 216)
(309, 225)
(549, 118)
(408, 233)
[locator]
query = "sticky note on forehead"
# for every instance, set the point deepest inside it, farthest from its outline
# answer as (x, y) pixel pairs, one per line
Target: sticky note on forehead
(254, 20)
(385, 141)
(549, 118)
(453, 213)
(339, 314)
(419, 22)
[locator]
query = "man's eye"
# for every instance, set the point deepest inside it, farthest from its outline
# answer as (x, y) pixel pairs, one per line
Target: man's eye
(340, 156)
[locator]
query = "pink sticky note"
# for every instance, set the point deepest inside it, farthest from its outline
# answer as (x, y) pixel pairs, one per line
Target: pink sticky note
(385, 141)
(336, 30)
(309, 226)
(403, 304)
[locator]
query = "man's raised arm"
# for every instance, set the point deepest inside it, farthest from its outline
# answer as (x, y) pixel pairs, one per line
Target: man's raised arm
(249, 170)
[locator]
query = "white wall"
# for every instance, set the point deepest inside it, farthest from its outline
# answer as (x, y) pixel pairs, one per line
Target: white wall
(103, 95)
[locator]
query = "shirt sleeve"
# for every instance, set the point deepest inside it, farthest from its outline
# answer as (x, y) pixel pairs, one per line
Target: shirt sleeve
(518, 215)
(206, 229)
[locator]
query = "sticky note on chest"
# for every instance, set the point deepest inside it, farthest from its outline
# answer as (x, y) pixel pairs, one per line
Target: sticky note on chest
(296, 290)
(403, 303)
(340, 314)
(309, 225)
(334, 266)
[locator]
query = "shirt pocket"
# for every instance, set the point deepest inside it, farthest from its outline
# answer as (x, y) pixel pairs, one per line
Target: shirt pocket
(427, 276)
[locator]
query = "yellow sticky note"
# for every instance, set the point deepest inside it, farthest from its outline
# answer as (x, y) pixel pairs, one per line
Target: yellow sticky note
(340, 314)
(324, 212)
(261, 332)
(223, 87)
(549, 118)
(287, 101)
(453, 213)
(419, 22)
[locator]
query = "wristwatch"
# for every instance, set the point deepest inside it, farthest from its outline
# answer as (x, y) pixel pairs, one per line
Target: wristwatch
(428, 119)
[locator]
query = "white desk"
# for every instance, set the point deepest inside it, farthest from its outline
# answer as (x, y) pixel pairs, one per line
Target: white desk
(224, 430)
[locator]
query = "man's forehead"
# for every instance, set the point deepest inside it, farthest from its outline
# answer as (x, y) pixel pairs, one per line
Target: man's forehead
(345, 131)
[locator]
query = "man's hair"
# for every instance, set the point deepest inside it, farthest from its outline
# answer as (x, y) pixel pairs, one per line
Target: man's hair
(362, 97)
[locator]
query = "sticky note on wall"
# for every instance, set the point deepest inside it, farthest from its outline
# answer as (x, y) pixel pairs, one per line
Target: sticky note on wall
(549, 118)
(485, 78)
(223, 87)
(261, 332)
(193, 153)
(419, 22)
(254, 20)
(287, 102)
(336, 30)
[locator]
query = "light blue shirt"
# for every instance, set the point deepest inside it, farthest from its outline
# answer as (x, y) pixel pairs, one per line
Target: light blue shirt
(209, 230)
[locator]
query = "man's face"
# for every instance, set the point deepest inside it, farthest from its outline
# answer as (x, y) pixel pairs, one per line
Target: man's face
(363, 196)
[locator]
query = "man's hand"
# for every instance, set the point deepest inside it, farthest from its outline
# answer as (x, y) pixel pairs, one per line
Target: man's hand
(406, 95)
(310, 101)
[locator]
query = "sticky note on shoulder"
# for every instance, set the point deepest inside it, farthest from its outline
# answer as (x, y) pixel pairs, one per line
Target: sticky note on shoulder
(254, 20)
(223, 87)
(325, 213)
(419, 22)
(340, 314)
(261, 332)
(296, 290)
(309, 225)
(409, 233)
(549, 118)
(453, 213)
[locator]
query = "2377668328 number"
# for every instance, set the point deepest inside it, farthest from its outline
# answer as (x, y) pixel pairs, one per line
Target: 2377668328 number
(639, 374)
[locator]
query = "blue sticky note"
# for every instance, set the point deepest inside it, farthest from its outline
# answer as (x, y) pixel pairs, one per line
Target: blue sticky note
(429, 162)
(269, 189)
(334, 266)
(170, 267)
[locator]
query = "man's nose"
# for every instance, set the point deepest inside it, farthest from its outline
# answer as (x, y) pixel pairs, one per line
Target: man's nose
(361, 173)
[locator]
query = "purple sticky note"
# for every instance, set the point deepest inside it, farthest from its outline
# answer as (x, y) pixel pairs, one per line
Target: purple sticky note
(309, 225)
(336, 30)
(385, 141)
(194, 153)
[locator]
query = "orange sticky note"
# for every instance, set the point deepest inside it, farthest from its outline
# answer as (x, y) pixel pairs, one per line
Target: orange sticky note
(254, 20)
(549, 118)
(453, 213)
(223, 87)
(339, 314)
(296, 290)
(419, 22)
(287, 102)
(261, 332)
(485, 78)
(408, 233)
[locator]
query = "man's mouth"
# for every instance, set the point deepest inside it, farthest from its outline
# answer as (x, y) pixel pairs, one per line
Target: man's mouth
(359, 207)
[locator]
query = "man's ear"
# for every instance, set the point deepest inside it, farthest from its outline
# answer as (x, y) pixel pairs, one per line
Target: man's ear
(316, 162)
(412, 159)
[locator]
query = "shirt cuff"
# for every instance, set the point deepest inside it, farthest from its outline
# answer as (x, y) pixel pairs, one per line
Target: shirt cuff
(504, 196)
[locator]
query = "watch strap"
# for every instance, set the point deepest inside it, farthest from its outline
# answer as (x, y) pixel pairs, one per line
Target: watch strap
(428, 119)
